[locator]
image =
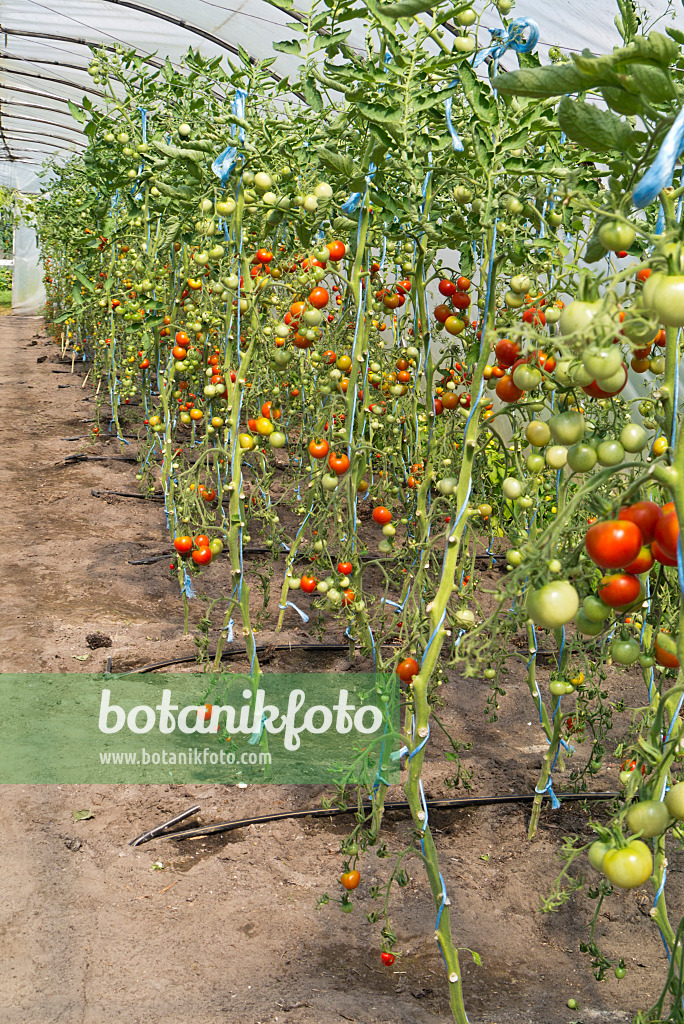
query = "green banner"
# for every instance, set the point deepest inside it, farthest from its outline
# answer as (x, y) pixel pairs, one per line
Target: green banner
(219, 727)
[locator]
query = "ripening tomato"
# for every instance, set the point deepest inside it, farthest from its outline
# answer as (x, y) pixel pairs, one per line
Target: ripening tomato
(339, 463)
(308, 584)
(407, 669)
(619, 590)
(665, 651)
(183, 545)
(506, 352)
(381, 515)
(645, 514)
(318, 448)
(202, 556)
(351, 879)
(642, 563)
(463, 284)
(347, 597)
(506, 389)
(182, 339)
(447, 288)
(614, 543)
(667, 533)
(660, 555)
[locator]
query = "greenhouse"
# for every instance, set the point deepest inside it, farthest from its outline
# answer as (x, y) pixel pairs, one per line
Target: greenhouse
(341, 410)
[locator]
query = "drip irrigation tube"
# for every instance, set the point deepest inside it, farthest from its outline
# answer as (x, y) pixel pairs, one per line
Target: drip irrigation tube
(127, 494)
(236, 652)
(329, 812)
(71, 459)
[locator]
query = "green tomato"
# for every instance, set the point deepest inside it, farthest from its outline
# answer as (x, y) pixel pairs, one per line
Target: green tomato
(629, 867)
(527, 377)
(581, 458)
(610, 453)
(329, 482)
(620, 972)
(595, 609)
(616, 236)
(624, 652)
(521, 283)
(657, 365)
(553, 605)
(552, 314)
(511, 488)
(514, 557)
(525, 502)
(567, 427)
(535, 463)
(650, 817)
(602, 363)
(576, 318)
(586, 626)
(216, 546)
(538, 433)
(557, 687)
(277, 439)
(597, 852)
(467, 17)
(513, 300)
(664, 295)
(633, 437)
(674, 801)
(556, 456)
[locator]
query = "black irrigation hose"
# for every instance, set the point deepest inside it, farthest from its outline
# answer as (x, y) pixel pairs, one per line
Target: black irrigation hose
(71, 459)
(401, 805)
(234, 652)
(127, 494)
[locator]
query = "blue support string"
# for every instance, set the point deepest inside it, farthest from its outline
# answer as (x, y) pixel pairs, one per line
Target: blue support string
(660, 173)
(512, 39)
(225, 162)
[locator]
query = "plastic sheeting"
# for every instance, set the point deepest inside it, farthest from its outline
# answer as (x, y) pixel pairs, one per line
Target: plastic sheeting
(44, 56)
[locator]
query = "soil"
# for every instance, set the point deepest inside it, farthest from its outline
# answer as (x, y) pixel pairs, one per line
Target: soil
(93, 931)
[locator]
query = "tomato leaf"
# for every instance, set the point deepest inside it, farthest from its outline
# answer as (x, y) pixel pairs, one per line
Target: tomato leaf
(82, 815)
(592, 127)
(477, 94)
(292, 46)
(76, 112)
(312, 95)
(339, 162)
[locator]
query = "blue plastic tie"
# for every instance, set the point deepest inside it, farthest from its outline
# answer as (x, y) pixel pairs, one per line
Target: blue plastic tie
(660, 173)
(351, 204)
(513, 39)
(224, 163)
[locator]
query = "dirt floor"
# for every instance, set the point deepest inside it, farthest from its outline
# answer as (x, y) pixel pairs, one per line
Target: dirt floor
(93, 931)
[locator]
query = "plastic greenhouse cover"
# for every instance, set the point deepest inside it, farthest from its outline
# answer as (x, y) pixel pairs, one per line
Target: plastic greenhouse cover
(44, 58)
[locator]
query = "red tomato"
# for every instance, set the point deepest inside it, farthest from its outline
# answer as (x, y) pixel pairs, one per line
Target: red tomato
(407, 669)
(337, 250)
(461, 300)
(183, 545)
(381, 515)
(202, 556)
(308, 584)
(463, 284)
(182, 339)
(351, 879)
(439, 407)
(346, 568)
(447, 288)
(319, 298)
(506, 352)
(387, 958)
(442, 314)
(264, 255)
(619, 590)
(642, 563)
(534, 316)
(614, 543)
(201, 540)
(667, 534)
(318, 448)
(646, 515)
(347, 597)
(338, 463)
(179, 352)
